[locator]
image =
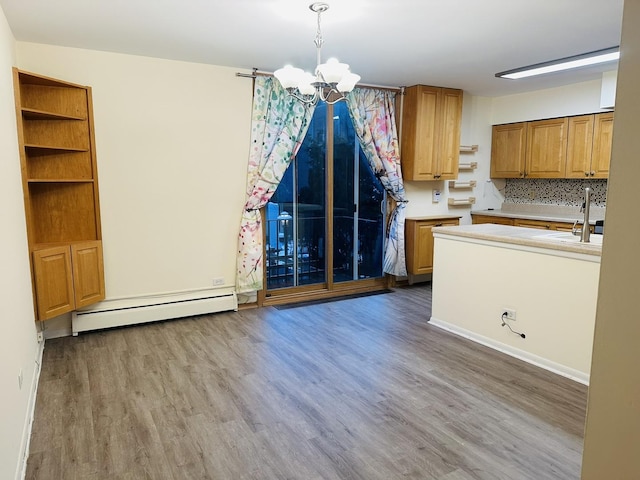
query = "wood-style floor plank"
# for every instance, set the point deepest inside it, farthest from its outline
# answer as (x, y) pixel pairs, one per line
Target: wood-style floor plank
(361, 389)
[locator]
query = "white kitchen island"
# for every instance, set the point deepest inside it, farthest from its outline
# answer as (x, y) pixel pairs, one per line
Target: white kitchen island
(548, 278)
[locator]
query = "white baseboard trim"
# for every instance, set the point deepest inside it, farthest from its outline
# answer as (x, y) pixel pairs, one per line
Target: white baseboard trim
(523, 355)
(21, 471)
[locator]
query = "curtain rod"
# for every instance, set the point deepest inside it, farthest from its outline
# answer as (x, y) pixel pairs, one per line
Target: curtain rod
(255, 73)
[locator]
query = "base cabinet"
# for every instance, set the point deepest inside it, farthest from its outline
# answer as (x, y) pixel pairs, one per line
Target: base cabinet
(419, 242)
(491, 219)
(68, 277)
(521, 222)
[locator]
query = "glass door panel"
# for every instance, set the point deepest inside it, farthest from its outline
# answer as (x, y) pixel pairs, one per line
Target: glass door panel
(296, 215)
(358, 197)
(371, 215)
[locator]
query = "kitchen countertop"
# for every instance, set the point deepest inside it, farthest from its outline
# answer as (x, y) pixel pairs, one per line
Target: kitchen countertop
(550, 213)
(523, 237)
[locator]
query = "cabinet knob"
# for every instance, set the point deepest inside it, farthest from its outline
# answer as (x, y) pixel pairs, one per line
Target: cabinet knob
(586, 174)
(438, 224)
(593, 173)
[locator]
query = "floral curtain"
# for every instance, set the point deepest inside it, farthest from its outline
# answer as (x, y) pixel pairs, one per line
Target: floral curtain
(279, 123)
(373, 116)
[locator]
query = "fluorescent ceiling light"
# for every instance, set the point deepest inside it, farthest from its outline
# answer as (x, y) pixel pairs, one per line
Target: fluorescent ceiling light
(577, 61)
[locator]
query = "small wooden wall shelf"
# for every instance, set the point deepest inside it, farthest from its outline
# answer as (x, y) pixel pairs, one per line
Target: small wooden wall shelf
(468, 148)
(461, 202)
(468, 166)
(460, 185)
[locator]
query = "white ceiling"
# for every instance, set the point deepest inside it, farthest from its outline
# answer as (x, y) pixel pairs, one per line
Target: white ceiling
(453, 43)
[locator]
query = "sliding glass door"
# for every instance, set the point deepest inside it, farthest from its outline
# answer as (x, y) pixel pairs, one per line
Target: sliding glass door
(324, 224)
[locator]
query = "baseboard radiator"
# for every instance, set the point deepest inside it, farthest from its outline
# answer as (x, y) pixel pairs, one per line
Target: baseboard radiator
(132, 311)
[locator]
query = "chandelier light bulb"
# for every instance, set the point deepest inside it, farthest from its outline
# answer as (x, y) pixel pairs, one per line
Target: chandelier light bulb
(306, 84)
(348, 82)
(332, 71)
(289, 76)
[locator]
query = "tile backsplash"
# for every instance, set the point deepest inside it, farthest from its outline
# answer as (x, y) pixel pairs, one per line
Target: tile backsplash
(563, 192)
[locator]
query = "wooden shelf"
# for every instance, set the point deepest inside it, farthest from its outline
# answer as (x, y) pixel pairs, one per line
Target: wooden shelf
(461, 185)
(468, 166)
(468, 148)
(461, 202)
(60, 180)
(41, 149)
(33, 114)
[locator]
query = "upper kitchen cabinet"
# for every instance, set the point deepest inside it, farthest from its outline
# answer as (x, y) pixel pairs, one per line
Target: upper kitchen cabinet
(508, 147)
(60, 188)
(589, 145)
(579, 146)
(566, 147)
(430, 143)
(602, 137)
(546, 152)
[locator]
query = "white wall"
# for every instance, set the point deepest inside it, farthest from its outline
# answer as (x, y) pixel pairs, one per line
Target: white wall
(575, 99)
(172, 145)
(18, 348)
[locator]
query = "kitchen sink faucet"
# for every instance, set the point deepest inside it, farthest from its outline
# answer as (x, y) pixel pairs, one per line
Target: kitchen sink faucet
(585, 231)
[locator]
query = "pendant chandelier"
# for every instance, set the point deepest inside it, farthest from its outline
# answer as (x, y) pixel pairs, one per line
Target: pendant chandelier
(331, 80)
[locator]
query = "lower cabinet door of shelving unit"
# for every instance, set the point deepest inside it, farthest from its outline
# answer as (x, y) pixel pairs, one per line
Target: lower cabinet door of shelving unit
(53, 280)
(68, 277)
(88, 273)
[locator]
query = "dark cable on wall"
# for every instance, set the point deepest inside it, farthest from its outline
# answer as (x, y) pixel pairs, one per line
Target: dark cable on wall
(504, 316)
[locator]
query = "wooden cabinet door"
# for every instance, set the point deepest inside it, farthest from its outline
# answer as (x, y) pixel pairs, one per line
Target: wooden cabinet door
(448, 154)
(88, 272)
(546, 152)
(602, 137)
(53, 280)
(562, 226)
(419, 133)
(508, 144)
(579, 146)
(542, 225)
(420, 248)
(430, 142)
(419, 243)
(476, 219)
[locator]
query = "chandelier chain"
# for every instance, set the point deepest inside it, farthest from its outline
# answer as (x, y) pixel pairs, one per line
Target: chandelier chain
(319, 40)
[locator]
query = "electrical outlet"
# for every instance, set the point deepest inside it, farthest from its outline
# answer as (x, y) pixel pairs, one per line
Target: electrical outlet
(218, 281)
(20, 380)
(510, 313)
(40, 337)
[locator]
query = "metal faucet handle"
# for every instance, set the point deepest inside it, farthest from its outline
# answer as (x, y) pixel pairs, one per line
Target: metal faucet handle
(575, 230)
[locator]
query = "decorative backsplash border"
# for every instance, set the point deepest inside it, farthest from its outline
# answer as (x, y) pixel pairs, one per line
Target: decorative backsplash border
(564, 192)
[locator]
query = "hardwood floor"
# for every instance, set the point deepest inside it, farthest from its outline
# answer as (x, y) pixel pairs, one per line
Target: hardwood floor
(362, 388)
